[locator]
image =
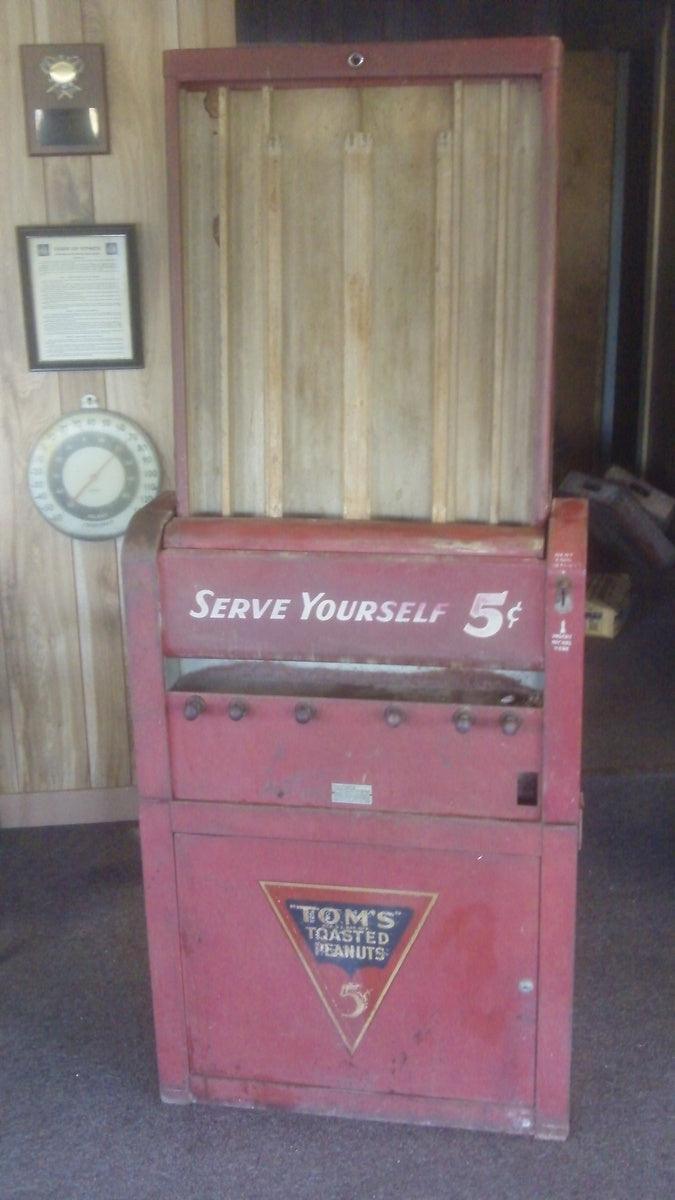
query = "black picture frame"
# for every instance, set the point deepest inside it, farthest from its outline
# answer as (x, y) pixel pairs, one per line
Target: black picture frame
(76, 237)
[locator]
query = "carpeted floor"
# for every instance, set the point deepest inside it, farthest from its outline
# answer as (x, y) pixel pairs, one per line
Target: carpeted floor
(81, 1118)
(629, 687)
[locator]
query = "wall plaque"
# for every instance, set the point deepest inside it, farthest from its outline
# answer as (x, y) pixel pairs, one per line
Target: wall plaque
(80, 296)
(65, 99)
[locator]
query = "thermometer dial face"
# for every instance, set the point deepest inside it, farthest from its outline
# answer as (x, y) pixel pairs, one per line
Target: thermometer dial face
(91, 471)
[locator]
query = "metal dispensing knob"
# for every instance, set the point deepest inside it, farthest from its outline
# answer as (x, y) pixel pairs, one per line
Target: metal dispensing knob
(193, 708)
(463, 720)
(303, 713)
(510, 723)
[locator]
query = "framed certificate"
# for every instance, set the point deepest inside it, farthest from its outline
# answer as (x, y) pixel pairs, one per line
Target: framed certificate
(80, 296)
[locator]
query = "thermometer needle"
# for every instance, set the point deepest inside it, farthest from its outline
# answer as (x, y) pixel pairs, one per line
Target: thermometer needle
(93, 477)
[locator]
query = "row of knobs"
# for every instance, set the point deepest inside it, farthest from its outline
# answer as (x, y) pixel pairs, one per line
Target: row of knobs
(463, 719)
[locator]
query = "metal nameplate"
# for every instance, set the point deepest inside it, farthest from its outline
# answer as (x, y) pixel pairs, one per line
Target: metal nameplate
(351, 793)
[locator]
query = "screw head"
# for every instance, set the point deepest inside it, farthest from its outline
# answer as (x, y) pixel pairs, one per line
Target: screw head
(526, 986)
(355, 60)
(236, 710)
(393, 716)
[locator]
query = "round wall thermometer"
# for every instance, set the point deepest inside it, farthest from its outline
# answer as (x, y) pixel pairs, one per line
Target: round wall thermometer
(90, 472)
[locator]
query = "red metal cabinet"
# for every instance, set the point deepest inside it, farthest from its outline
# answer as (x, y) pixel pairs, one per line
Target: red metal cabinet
(357, 742)
(347, 912)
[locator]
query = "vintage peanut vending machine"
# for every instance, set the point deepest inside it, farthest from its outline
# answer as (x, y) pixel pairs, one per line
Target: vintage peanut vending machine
(356, 633)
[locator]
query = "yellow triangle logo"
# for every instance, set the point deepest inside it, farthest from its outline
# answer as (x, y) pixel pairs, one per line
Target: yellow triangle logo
(352, 943)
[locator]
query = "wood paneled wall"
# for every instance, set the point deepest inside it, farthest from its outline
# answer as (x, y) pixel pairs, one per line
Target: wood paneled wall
(63, 718)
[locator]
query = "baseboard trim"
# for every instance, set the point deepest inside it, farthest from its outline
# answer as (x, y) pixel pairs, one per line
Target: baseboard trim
(27, 810)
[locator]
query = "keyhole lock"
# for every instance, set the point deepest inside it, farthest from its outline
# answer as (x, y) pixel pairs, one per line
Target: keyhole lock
(563, 595)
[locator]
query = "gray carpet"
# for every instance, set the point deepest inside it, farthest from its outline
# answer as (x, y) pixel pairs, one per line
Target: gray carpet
(81, 1119)
(629, 687)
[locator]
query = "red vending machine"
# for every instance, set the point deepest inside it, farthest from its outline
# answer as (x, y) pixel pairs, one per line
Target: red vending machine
(356, 633)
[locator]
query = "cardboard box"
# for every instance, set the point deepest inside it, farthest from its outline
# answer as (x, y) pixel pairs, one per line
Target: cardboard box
(607, 604)
(660, 506)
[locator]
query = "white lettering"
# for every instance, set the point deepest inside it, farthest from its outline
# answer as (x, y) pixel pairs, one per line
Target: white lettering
(438, 611)
(329, 916)
(346, 610)
(200, 599)
(385, 920)
(322, 608)
(259, 609)
(308, 911)
(325, 610)
(404, 610)
(278, 612)
(355, 916)
(239, 608)
(386, 612)
(308, 604)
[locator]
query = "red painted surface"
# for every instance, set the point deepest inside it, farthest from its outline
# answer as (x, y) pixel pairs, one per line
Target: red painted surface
(161, 910)
(363, 828)
(566, 560)
(354, 537)
(388, 1106)
(268, 758)
(453, 1022)
(407, 631)
(140, 559)
(556, 979)
(474, 1025)
(394, 63)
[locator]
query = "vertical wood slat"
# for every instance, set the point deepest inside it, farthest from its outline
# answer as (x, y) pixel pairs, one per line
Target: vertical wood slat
(224, 305)
(523, 398)
(457, 203)
(478, 241)
(442, 317)
(358, 309)
(45, 711)
(273, 402)
(247, 284)
(273, 313)
(404, 123)
(312, 124)
(199, 194)
(500, 302)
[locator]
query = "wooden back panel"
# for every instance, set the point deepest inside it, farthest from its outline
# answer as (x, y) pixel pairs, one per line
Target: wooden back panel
(366, 288)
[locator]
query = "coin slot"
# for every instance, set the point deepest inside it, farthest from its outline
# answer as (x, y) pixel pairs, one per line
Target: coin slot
(528, 788)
